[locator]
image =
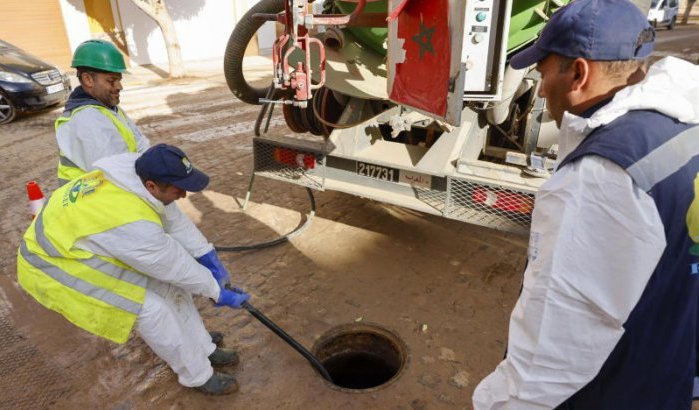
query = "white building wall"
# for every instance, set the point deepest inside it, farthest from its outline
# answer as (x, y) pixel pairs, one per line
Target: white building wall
(77, 27)
(202, 27)
(265, 35)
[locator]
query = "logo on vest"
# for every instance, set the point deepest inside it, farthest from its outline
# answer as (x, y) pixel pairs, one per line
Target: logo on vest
(82, 187)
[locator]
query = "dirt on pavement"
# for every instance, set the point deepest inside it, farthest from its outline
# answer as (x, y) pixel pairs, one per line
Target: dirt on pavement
(445, 288)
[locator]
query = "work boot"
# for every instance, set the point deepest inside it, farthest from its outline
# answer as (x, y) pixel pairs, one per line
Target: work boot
(219, 384)
(216, 338)
(223, 357)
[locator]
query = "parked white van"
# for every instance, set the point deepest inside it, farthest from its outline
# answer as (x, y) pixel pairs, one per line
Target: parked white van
(663, 13)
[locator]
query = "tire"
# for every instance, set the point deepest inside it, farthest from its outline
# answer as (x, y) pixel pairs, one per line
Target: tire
(235, 50)
(672, 23)
(8, 111)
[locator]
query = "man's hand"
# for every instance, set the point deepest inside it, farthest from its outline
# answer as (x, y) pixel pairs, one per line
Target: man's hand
(234, 297)
(219, 272)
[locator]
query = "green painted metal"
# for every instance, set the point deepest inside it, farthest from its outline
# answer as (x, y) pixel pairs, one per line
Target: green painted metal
(526, 21)
(371, 37)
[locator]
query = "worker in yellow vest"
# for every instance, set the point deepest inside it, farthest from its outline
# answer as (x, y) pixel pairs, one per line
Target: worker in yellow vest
(92, 125)
(111, 252)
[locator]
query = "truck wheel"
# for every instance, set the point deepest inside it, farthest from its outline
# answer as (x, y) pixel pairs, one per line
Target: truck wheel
(8, 111)
(243, 32)
(672, 23)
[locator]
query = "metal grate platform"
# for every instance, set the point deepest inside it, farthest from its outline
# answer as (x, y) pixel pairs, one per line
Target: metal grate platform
(489, 205)
(454, 197)
(266, 165)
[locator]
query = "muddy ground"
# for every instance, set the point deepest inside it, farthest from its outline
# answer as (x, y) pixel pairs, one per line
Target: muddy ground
(445, 288)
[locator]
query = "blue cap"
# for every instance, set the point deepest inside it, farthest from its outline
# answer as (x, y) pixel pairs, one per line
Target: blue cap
(167, 163)
(603, 30)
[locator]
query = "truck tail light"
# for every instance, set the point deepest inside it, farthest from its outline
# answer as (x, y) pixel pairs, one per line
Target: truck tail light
(294, 158)
(502, 200)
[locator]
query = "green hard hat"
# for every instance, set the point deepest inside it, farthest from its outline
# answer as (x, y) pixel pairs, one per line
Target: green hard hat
(99, 54)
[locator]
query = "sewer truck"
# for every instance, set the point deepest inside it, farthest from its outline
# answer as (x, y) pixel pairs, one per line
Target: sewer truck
(407, 102)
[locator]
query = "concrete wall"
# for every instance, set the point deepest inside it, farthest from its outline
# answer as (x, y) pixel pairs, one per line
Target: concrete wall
(266, 35)
(76, 24)
(38, 30)
(203, 28)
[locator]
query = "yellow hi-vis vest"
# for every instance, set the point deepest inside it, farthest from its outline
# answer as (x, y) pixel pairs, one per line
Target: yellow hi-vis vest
(99, 294)
(67, 170)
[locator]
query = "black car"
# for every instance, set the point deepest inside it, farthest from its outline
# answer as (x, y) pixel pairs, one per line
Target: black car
(27, 83)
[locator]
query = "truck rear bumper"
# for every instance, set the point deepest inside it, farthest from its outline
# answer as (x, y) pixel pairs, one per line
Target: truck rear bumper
(465, 198)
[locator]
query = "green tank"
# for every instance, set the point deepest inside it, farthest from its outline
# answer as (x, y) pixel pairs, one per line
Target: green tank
(526, 21)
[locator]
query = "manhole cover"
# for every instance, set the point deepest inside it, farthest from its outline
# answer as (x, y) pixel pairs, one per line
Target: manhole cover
(361, 356)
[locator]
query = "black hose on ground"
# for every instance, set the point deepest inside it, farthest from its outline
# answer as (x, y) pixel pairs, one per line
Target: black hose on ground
(284, 336)
(233, 70)
(289, 340)
(277, 241)
(235, 51)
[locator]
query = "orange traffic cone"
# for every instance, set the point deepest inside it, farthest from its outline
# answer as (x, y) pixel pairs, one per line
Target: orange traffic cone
(36, 198)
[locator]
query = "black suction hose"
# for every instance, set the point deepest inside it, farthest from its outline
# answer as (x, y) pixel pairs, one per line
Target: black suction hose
(277, 241)
(233, 60)
(270, 96)
(289, 340)
(264, 319)
(243, 32)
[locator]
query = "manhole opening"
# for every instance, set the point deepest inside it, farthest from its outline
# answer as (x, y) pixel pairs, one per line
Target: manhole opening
(361, 357)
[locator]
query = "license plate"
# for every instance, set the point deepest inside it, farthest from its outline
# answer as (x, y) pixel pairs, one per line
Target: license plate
(377, 172)
(54, 88)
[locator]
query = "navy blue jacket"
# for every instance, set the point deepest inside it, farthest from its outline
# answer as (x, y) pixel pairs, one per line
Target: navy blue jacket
(654, 362)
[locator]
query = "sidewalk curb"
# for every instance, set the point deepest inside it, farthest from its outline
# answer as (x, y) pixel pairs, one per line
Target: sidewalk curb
(150, 75)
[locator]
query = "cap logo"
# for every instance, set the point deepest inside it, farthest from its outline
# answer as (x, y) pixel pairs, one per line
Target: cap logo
(644, 37)
(187, 164)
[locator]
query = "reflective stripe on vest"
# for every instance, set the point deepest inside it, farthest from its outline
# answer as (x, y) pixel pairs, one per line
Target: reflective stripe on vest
(79, 285)
(67, 170)
(99, 294)
(666, 159)
(94, 262)
(65, 161)
(45, 244)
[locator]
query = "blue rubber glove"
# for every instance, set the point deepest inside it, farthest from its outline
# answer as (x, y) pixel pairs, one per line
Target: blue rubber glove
(232, 297)
(213, 263)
